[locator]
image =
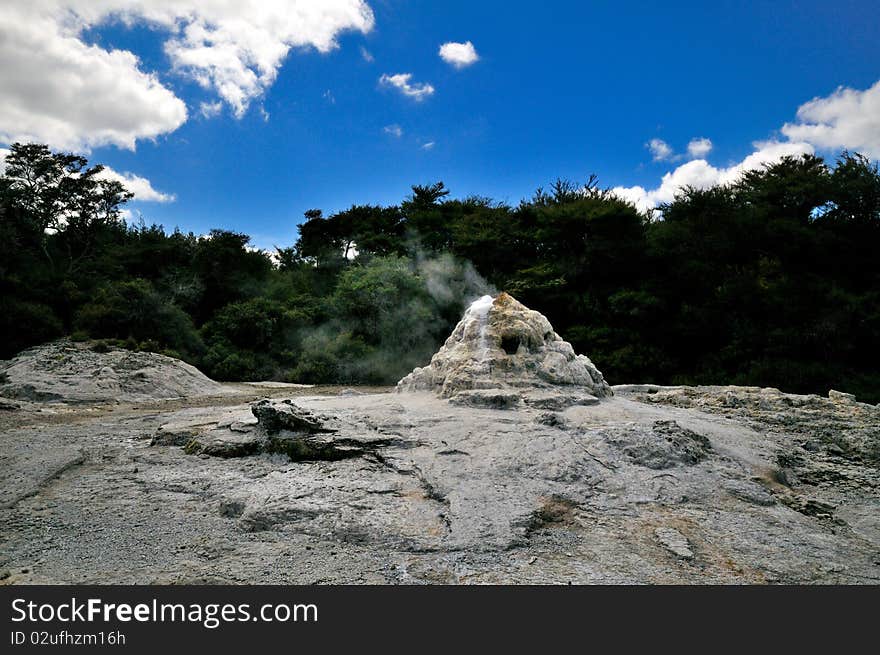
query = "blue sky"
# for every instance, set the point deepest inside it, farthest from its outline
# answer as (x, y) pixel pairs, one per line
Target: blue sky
(561, 89)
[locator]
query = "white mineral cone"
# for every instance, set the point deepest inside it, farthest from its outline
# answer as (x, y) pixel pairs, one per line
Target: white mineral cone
(501, 343)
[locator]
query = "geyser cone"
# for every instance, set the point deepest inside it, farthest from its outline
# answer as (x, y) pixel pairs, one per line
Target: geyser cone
(501, 343)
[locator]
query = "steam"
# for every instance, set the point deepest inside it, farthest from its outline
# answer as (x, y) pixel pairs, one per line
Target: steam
(405, 327)
(481, 306)
(452, 281)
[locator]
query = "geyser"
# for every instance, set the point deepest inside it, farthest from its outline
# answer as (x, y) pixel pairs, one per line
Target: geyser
(501, 344)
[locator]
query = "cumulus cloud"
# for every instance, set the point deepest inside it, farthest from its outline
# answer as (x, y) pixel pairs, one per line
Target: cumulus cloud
(848, 118)
(140, 186)
(367, 55)
(459, 55)
(699, 148)
(63, 91)
(58, 90)
(700, 174)
(660, 150)
(401, 82)
(394, 130)
(236, 48)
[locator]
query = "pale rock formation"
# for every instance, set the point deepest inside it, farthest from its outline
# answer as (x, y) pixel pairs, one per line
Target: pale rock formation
(70, 372)
(500, 344)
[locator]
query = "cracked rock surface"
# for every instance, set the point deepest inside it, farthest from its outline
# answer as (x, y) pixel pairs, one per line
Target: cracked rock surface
(652, 485)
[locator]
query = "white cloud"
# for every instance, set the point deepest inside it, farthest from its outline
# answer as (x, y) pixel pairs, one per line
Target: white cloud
(236, 48)
(701, 174)
(60, 90)
(129, 216)
(429, 145)
(848, 118)
(210, 109)
(699, 148)
(140, 186)
(660, 150)
(459, 55)
(401, 82)
(394, 130)
(367, 55)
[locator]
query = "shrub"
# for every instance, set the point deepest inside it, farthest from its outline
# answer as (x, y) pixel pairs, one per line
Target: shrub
(329, 356)
(132, 310)
(42, 325)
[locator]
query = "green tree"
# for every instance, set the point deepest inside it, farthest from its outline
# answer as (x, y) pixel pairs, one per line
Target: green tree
(59, 194)
(132, 309)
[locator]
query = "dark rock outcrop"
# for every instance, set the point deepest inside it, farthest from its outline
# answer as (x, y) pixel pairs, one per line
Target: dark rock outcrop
(276, 416)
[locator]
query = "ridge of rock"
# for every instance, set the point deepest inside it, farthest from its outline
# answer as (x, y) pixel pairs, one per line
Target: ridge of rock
(70, 372)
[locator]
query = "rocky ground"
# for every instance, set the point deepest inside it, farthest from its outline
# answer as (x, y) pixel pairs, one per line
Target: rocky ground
(650, 485)
(507, 459)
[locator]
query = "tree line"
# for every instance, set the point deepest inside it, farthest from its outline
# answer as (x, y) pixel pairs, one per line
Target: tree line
(773, 280)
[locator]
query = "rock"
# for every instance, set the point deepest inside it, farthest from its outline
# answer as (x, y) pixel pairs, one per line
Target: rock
(266, 516)
(500, 343)
(488, 398)
(557, 401)
(312, 447)
(551, 420)
(275, 416)
(749, 492)
(511, 399)
(172, 434)
(675, 542)
(224, 442)
(28, 392)
(551, 510)
(231, 508)
(74, 373)
(666, 445)
(281, 427)
(809, 506)
(181, 427)
(6, 406)
(839, 422)
(840, 397)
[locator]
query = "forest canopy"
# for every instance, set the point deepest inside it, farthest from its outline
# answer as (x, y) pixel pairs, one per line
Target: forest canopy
(772, 281)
